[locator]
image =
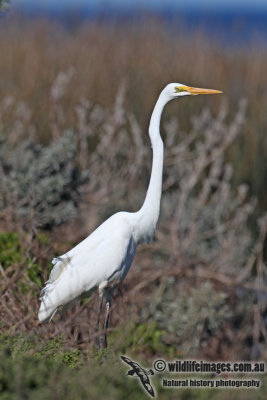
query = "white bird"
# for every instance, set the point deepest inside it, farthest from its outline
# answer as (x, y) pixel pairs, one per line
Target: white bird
(103, 259)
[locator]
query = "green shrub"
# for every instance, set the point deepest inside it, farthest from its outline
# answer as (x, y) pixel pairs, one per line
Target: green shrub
(12, 254)
(187, 320)
(40, 184)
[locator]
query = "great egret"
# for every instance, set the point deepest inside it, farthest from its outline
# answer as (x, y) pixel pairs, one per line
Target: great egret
(103, 259)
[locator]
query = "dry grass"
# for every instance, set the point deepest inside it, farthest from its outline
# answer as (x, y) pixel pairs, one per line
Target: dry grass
(97, 56)
(102, 81)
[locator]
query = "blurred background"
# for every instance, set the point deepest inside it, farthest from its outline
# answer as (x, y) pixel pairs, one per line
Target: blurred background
(78, 83)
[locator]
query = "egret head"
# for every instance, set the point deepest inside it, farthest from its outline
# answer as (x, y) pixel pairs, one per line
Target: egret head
(173, 90)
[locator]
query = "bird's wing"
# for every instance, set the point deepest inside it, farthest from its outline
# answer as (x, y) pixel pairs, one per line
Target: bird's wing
(148, 386)
(127, 360)
(89, 264)
(132, 364)
(59, 264)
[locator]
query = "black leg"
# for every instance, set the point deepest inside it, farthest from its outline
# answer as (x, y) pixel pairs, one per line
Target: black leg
(104, 340)
(100, 301)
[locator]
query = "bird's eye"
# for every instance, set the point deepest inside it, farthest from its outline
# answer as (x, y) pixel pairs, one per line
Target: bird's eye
(179, 89)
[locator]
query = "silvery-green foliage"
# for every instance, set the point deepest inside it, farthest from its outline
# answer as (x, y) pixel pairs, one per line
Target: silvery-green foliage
(40, 184)
(188, 318)
(4, 5)
(207, 220)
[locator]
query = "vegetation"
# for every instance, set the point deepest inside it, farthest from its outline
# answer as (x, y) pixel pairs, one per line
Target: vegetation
(74, 150)
(40, 185)
(4, 5)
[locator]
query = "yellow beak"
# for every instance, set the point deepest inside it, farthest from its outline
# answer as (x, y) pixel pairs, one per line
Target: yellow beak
(194, 90)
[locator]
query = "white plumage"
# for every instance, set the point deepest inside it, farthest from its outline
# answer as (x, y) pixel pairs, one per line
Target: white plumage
(97, 261)
(103, 259)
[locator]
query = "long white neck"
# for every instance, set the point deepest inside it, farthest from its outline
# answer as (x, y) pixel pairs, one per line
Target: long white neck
(149, 212)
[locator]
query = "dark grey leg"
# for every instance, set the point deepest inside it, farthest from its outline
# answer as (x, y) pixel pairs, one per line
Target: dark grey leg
(100, 301)
(104, 340)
